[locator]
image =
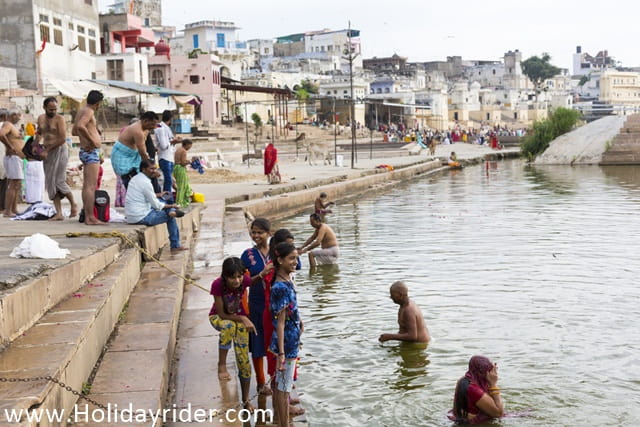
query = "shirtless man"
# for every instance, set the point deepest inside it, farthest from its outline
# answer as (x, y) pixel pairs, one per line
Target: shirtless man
(13, 142)
(323, 237)
(52, 130)
(410, 321)
(321, 204)
(130, 149)
(86, 129)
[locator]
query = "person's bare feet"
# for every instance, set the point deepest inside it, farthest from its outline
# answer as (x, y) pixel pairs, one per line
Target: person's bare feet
(9, 214)
(295, 411)
(57, 217)
(265, 390)
(94, 221)
(74, 211)
(249, 407)
(294, 401)
(223, 374)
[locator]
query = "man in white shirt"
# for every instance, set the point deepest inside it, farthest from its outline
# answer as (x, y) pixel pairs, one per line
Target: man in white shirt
(143, 207)
(166, 149)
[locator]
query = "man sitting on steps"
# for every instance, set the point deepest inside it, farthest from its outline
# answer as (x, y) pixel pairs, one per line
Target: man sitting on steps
(143, 207)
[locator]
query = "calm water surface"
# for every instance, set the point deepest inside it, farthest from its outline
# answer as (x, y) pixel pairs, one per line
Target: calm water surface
(535, 268)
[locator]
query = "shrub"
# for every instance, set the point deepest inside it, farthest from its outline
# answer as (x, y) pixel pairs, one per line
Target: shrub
(561, 121)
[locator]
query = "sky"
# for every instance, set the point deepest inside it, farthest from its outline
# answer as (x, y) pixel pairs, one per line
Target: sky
(428, 30)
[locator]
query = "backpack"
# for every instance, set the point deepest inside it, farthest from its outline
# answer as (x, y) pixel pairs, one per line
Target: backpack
(101, 207)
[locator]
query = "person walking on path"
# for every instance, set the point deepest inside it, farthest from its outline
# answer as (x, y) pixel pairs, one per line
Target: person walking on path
(410, 321)
(256, 260)
(271, 168)
(166, 149)
(324, 237)
(12, 139)
(86, 129)
(52, 130)
(228, 315)
(183, 187)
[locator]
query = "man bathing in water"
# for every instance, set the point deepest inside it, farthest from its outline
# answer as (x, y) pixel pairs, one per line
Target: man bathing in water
(325, 238)
(410, 321)
(321, 205)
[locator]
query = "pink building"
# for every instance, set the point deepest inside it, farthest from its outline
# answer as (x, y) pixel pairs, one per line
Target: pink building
(199, 75)
(122, 31)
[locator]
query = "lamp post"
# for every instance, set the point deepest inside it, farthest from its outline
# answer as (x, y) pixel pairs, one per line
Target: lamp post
(246, 128)
(335, 133)
(350, 58)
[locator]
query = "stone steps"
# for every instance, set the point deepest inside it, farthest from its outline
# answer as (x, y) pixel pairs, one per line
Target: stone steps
(66, 342)
(135, 368)
(625, 147)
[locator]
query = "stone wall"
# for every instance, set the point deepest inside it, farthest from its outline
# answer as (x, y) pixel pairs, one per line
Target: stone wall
(17, 43)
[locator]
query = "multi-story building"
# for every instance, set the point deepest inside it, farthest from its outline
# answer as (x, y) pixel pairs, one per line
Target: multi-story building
(393, 63)
(44, 39)
(620, 87)
(584, 64)
(217, 37)
(150, 11)
(338, 90)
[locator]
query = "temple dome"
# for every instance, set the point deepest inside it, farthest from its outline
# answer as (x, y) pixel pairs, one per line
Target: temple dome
(162, 48)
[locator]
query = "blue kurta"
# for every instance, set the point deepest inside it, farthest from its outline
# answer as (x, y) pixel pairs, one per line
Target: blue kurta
(255, 262)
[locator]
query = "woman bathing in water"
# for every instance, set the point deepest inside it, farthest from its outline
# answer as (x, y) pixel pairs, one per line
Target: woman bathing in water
(477, 396)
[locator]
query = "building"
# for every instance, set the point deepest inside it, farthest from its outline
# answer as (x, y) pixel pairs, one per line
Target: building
(44, 39)
(584, 64)
(393, 63)
(216, 37)
(122, 32)
(150, 11)
(620, 88)
(199, 74)
(339, 89)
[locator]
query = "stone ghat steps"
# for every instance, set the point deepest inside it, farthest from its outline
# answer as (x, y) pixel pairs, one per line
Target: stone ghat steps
(24, 301)
(66, 342)
(625, 146)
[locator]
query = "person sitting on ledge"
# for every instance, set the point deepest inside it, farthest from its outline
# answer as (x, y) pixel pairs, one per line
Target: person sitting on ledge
(143, 207)
(410, 321)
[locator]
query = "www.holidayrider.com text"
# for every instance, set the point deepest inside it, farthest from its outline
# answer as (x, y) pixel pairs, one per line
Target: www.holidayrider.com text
(127, 414)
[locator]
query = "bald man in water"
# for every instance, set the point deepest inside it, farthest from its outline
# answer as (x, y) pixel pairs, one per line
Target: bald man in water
(410, 320)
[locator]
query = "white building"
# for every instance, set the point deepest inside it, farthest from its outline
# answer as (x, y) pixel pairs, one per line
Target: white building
(44, 39)
(217, 37)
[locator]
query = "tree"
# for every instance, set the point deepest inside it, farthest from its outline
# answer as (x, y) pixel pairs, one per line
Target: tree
(539, 69)
(311, 88)
(559, 122)
(257, 122)
(583, 80)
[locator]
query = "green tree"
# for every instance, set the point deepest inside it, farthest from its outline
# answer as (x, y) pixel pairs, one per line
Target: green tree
(539, 69)
(583, 80)
(257, 122)
(308, 86)
(559, 122)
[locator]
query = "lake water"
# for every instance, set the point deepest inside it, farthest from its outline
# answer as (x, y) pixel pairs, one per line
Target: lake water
(535, 268)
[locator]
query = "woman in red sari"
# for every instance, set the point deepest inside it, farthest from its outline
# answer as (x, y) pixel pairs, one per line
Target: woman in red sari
(271, 169)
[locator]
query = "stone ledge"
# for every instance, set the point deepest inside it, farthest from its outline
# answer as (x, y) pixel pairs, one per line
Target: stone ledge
(68, 341)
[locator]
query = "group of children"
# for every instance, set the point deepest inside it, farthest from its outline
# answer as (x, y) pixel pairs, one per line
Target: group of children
(267, 323)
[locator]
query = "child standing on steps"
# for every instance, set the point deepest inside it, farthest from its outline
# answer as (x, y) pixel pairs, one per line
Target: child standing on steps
(228, 315)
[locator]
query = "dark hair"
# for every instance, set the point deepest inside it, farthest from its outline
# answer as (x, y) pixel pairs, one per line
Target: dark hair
(262, 224)
(232, 266)
(149, 115)
(315, 216)
(166, 115)
(323, 195)
(460, 402)
(94, 97)
(281, 250)
(187, 142)
(279, 236)
(48, 100)
(145, 164)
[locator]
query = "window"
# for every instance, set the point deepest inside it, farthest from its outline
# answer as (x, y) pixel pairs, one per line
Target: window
(114, 69)
(488, 116)
(57, 22)
(80, 29)
(140, 69)
(515, 116)
(57, 36)
(92, 46)
(89, 2)
(44, 33)
(322, 48)
(71, 26)
(91, 33)
(220, 40)
(266, 51)
(196, 41)
(194, 79)
(217, 110)
(386, 90)
(82, 44)
(157, 78)
(147, 22)
(44, 18)
(330, 48)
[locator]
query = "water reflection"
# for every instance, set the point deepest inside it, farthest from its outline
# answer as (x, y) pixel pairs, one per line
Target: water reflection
(552, 179)
(412, 362)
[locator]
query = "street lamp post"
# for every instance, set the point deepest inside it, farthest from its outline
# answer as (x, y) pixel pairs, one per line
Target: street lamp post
(335, 134)
(350, 58)
(246, 128)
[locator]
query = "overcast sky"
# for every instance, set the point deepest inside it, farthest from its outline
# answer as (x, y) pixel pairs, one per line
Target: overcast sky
(425, 30)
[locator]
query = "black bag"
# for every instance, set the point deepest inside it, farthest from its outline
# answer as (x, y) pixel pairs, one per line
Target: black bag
(101, 207)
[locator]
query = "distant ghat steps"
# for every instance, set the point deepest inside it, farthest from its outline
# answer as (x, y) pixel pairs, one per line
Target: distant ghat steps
(625, 147)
